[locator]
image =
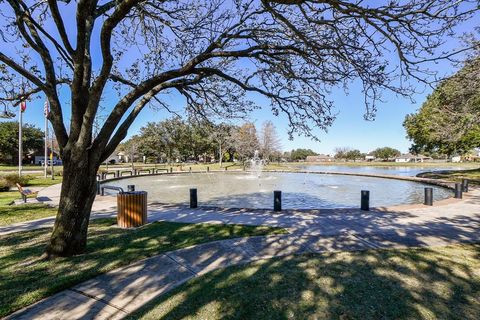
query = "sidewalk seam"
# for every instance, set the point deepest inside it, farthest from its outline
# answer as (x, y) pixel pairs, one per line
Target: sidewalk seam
(181, 264)
(99, 299)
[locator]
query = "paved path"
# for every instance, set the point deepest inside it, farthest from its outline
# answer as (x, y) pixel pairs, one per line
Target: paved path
(122, 291)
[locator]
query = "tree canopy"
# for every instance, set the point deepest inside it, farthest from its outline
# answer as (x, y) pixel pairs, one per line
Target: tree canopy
(449, 120)
(301, 154)
(32, 139)
(385, 153)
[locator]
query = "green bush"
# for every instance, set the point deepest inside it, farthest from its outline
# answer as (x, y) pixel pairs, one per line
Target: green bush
(3, 185)
(13, 178)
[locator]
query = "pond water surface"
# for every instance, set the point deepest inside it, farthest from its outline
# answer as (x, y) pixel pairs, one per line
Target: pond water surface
(299, 190)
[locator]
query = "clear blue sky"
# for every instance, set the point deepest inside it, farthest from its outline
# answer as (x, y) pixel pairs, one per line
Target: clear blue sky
(349, 129)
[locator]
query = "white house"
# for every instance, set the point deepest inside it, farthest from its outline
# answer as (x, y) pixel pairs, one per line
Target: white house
(408, 157)
(456, 159)
(320, 158)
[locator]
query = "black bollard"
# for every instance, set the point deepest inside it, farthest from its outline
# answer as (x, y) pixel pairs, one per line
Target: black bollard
(458, 190)
(190, 169)
(98, 187)
(131, 188)
(365, 200)
(226, 168)
(277, 200)
(428, 197)
(171, 169)
(117, 174)
(193, 198)
(465, 185)
(208, 169)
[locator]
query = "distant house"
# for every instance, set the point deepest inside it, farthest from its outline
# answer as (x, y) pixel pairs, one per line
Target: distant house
(456, 159)
(408, 157)
(369, 157)
(117, 157)
(320, 158)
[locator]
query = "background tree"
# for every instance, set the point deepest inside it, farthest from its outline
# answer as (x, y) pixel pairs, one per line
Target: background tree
(221, 136)
(341, 152)
(296, 52)
(449, 120)
(385, 153)
(301, 154)
(132, 148)
(269, 140)
(151, 141)
(245, 141)
(353, 155)
(32, 139)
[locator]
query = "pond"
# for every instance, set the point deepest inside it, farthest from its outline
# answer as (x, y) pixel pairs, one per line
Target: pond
(299, 190)
(410, 171)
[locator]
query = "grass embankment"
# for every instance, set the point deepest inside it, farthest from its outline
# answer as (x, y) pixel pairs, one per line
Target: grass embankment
(437, 283)
(27, 278)
(12, 214)
(455, 175)
(5, 167)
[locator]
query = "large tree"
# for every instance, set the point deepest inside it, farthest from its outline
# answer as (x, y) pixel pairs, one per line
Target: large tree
(210, 51)
(449, 120)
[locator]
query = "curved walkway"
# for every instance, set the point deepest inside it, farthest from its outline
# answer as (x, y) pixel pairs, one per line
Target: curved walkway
(122, 291)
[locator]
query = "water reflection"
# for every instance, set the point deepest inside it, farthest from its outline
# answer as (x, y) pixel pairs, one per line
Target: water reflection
(299, 190)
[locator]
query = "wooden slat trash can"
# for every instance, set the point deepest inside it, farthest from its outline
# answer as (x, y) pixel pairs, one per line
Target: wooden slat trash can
(132, 209)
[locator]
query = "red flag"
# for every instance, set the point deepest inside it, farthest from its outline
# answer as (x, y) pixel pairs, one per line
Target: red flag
(23, 106)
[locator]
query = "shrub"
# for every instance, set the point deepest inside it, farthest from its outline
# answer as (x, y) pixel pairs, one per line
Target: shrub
(13, 178)
(3, 185)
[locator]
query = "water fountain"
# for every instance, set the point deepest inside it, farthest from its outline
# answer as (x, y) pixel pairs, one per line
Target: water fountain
(256, 164)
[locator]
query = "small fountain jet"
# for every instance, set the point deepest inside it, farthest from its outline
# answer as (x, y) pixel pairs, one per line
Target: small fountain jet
(256, 164)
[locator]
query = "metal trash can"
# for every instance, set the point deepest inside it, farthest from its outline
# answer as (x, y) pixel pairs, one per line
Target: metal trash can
(132, 209)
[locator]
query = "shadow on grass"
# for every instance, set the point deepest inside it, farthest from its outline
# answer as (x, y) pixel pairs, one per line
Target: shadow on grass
(26, 277)
(442, 283)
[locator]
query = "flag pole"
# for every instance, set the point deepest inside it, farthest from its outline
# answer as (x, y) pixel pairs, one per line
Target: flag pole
(45, 154)
(20, 147)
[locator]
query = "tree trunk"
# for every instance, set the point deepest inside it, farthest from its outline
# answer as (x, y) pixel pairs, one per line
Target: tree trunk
(69, 236)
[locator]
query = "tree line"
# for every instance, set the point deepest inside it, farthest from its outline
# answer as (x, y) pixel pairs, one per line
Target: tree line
(178, 140)
(383, 153)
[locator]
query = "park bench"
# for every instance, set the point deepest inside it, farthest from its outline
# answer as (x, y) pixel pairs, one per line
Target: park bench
(26, 193)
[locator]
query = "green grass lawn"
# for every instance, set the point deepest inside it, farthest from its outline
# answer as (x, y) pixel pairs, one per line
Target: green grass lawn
(5, 167)
(455, 176)
(40, 181)
(26, 277)
(12, 214)
(437, 283)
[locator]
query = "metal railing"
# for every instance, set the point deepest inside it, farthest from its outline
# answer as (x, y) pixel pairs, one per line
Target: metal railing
(119, 189)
